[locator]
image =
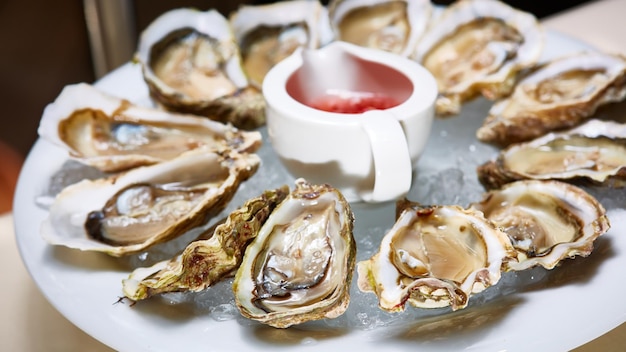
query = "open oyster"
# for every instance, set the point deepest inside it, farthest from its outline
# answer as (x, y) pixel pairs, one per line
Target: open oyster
(267, 34)
(557, 95)
(206, 261)
(478, 47)
(299, 266)
(129, 212)
(547, 221)
(390, 25)
(435, 256)
(112, 134)
(192, 64)
(594, 151)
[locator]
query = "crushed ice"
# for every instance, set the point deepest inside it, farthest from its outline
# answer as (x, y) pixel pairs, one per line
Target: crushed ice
(436, 172)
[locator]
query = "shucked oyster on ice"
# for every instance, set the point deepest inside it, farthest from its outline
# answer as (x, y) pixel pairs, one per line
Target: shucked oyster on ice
(435, 256)
(208, 260)
(192, 64)
(112, 134)
(391, 25)
(547, 221)
(129, 212)
(594, 151)
(478, 47)
(299, 266)
(557, 95)
(266, 34)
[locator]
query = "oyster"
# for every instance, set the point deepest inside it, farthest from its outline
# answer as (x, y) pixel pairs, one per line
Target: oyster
(557, 95)
(129, 212)
(547, 221)
(594, 151)
(206, 261)
(192, 64)
(390, 25)
(267, 34)
(478, 47)
(112, 134)
(299, 266)
(435, 256)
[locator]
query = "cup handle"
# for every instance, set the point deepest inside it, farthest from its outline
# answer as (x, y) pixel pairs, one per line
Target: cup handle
(392, 175)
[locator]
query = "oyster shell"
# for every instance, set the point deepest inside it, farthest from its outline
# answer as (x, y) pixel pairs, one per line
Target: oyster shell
(478, 47)
(557, 95)
(300, 265)
(266, 34)
(435, 256)
(547, 221)
(192, 64)
(112, 134)
(206, 261)
(594, 151)
(390, 25)
(129, 212)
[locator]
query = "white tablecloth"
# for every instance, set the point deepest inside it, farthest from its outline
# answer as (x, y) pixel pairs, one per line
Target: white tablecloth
(28, 322)
(600, 23)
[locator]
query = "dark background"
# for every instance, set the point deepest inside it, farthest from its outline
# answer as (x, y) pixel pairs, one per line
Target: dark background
(45, 47)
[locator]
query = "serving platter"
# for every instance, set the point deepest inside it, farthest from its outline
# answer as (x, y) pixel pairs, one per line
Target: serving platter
(531, 310)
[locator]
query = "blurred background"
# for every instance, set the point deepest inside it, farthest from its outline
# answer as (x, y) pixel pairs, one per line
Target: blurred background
(49, 44)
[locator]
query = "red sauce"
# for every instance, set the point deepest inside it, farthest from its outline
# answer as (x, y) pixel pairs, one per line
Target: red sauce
(353, 102)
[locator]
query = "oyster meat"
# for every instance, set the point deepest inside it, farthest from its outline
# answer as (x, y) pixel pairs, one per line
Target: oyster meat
(435, 256)
(594, 151)
(557, 95)
(129, 212)
(478, 47)
(547, 221)
(299, 266)
(216, 255)
(391, 25)
(112, 134)
(266, 34)
(191, 63)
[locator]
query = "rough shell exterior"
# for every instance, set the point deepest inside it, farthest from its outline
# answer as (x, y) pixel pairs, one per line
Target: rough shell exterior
(206, 261)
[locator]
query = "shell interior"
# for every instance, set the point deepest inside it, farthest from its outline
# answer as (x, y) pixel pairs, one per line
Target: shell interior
(546, 221)
(129, 212)
(193, 64)
(113, 134)
(267, 46)
(299, 266)
(393, 26)
(559, 94)
(594, 151)
(435, 257)
(267, 34)
(478, 47)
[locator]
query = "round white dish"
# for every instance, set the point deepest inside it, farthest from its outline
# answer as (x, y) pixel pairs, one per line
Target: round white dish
(535, 310)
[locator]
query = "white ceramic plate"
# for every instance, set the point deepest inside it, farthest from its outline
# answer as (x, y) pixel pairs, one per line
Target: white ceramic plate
(535, 310)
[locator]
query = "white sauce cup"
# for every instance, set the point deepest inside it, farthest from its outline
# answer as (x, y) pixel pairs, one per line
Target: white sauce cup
(368, 156)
